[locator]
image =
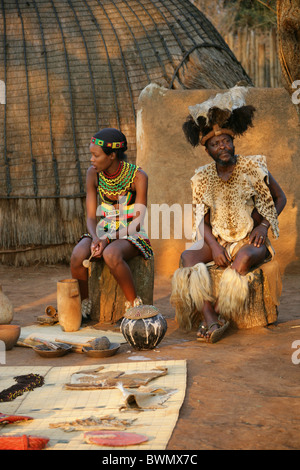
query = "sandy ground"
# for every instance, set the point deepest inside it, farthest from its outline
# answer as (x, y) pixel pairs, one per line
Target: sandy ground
(242, 393)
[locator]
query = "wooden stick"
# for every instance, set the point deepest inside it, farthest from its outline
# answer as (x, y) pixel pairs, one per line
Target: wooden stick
(73, 344)
(46, 343)
(76, 347)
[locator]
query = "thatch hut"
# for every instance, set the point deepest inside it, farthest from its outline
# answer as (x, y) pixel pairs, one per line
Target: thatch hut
(70, 67)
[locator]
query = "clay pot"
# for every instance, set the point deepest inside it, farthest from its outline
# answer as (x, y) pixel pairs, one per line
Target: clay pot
(10, 335)
(6, 309)
(143, 327)
(69, 304)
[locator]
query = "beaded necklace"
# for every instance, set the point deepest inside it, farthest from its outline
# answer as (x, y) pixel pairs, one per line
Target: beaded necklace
(119, 182)
(25, 383)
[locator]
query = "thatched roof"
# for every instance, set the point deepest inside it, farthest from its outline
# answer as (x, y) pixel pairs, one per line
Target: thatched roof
(71, 67)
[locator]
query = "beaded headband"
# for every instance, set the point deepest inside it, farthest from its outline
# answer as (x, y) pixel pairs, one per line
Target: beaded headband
(113, 145)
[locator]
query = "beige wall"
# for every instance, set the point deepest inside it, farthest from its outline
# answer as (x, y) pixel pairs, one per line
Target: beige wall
(170, 161)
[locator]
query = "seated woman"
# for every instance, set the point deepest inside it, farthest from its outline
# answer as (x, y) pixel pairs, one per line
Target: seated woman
(118, 236)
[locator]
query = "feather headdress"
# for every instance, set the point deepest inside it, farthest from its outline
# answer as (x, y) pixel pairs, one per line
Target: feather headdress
(226, 113)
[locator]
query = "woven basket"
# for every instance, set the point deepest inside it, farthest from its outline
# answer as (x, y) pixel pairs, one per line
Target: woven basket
(142, 311)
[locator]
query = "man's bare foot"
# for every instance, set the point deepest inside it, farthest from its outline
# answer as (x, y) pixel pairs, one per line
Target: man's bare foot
(202, 330)
(216, 330)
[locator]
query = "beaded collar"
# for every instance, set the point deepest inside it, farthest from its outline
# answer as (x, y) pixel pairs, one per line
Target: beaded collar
(118, 182)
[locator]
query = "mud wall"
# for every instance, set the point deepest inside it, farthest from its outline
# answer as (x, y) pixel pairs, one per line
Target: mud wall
(170, 162)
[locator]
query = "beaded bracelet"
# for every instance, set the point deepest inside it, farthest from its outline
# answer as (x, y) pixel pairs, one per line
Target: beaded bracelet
(108, 240)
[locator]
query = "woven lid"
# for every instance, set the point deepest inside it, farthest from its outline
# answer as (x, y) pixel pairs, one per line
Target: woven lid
(142, 311)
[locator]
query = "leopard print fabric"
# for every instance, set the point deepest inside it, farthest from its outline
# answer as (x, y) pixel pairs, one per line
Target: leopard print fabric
(231, 202)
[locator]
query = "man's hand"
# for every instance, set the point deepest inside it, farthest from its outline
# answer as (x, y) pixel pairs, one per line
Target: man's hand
(220, 256)
(258, 235)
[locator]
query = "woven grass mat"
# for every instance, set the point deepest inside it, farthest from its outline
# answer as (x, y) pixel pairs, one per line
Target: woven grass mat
(53, 403)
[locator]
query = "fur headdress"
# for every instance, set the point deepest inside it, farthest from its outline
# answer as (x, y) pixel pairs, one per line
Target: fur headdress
(226, 113)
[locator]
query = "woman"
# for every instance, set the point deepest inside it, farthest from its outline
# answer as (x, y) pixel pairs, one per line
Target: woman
(118, 236)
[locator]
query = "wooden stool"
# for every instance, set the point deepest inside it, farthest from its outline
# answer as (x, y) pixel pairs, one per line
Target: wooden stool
(108, 300)
(264, 293)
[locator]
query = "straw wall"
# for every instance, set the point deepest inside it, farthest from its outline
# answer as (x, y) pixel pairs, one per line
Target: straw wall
(70, 68)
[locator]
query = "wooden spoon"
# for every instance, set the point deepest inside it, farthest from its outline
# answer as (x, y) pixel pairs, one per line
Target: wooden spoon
(86, 262)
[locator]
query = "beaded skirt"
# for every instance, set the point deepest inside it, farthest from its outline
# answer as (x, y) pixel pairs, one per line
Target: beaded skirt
(112, 220)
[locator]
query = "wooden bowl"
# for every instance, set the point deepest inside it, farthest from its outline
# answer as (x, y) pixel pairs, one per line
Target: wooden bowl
(44, 351)
(10, 335)
(113, 348)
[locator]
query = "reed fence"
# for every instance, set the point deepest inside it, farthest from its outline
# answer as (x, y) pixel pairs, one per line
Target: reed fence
(257, 52)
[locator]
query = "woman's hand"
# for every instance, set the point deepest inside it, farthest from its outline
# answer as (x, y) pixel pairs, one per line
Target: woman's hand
(97, 247)
(258, 235)
(220, 256)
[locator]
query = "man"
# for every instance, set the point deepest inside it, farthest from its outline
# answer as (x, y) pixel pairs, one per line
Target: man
(240, 202)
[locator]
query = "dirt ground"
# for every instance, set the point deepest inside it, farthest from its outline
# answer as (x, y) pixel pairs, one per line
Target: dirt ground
(242, 393)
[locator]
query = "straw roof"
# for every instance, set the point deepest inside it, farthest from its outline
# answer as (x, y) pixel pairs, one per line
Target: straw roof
(72, 67)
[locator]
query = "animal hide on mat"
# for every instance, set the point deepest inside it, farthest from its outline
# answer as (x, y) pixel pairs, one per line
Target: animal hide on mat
(101, 379)
(94, 423)
(146, 398)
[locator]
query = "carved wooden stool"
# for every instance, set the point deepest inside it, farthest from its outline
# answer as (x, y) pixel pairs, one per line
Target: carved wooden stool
(108, 300)
(264, 293)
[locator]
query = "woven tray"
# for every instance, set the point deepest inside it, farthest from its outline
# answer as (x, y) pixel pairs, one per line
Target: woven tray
(142, 311)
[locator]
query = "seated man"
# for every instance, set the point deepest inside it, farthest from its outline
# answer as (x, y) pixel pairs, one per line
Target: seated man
(239, 200)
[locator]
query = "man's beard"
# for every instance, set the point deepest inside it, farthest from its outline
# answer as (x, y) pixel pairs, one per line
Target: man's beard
(229, 162)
